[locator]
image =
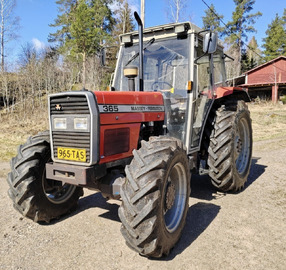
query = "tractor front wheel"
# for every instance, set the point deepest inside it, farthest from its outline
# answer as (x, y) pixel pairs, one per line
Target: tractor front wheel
(33, 195)
(155, 196)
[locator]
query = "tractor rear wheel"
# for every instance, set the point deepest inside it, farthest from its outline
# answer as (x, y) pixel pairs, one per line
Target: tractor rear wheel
(155, 196)
(33, 195)
(230, 148)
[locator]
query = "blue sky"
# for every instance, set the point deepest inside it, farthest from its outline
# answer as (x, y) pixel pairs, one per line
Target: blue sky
(36, 15)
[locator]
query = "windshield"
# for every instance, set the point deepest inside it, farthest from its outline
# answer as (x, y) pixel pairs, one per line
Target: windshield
(165, 65)
(166, 69)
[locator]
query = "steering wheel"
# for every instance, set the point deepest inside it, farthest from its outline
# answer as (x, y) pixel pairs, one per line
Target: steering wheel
(157, 85)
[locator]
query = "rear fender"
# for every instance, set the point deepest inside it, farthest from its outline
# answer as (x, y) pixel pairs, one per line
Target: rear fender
(235, 93)
(223, 95)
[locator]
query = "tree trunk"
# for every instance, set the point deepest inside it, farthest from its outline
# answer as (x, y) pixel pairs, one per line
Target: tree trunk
(2, 36)
(83, 70)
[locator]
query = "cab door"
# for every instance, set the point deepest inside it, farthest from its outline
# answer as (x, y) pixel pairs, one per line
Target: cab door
(208, 75)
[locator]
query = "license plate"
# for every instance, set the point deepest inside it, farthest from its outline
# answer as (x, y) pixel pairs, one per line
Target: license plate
(72, 154)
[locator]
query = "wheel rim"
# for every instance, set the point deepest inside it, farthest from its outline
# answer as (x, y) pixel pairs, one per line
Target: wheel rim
(175, 197)
(57, 192)
(242, 146)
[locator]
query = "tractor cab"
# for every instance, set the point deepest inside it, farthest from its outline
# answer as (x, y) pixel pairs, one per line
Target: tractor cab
(177, 63)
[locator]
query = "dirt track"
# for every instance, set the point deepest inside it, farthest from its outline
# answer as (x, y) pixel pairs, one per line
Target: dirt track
(233, 231)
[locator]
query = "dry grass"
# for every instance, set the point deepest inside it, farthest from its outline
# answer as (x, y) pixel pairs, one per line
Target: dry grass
(268, 122)
(17, 127)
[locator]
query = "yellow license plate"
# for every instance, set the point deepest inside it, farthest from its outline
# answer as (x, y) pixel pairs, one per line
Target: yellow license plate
(72, 154)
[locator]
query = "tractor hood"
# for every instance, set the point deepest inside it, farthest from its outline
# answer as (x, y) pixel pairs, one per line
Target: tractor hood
(129, 107)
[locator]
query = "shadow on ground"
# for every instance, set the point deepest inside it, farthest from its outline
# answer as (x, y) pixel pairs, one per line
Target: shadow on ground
(92, 201)
(97, 201)
(202, 188)
(256, 171)
(200, 216)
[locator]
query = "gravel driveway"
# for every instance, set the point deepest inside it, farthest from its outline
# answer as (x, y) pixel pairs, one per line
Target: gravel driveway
(223, 231)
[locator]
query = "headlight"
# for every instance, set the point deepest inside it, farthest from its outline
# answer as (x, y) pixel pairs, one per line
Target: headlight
(80, 123)
(60, 123)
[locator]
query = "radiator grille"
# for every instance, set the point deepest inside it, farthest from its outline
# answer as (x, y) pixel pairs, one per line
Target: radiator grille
(71, 140)
(69, 105)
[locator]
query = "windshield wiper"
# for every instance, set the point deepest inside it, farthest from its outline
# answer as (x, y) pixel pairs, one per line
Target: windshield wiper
(137, 54)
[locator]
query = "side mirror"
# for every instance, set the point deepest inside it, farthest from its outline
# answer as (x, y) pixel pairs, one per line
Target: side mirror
(210, 42)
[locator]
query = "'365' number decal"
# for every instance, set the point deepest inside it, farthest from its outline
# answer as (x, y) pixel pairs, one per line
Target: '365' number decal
(110, 108)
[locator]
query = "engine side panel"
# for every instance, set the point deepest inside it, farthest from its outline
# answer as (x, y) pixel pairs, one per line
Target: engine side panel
(118, 141)
(121, 115)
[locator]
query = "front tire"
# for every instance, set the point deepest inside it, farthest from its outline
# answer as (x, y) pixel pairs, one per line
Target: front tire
(230, 148)
(155, 196)
(33, 195)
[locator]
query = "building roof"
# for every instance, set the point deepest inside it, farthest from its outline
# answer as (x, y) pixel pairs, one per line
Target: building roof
(266, 64)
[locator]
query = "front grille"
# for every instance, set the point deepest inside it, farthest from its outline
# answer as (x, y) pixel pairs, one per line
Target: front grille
(72, 105)
(71, 140)
(69, 105)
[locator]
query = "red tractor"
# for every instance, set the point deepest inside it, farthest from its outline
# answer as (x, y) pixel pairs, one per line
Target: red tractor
(169, 113)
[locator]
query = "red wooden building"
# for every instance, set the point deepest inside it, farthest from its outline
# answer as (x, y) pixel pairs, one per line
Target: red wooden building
(268, 79)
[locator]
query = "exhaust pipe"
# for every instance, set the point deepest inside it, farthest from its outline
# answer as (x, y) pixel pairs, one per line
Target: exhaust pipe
(140, 31)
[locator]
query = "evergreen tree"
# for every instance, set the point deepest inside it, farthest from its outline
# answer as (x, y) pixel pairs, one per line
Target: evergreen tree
(84, 26)
(247, 62)
(241, 24)
(212, 20)
(124, 23)
(275, 41)
(284, 19)
(250, 57)
(62, 22)
(253, 52)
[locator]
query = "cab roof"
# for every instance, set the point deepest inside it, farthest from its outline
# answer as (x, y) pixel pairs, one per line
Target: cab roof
(164, 31)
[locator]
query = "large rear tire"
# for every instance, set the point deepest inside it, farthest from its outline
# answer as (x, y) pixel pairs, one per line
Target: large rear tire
(155, 196)
(230, 148)
(33, 195)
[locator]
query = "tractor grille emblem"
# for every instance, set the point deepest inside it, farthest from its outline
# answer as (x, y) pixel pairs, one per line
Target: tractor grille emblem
(59, 107)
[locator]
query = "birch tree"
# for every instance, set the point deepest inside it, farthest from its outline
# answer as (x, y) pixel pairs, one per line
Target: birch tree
(123, 18)
(176, 9)
(9, 25)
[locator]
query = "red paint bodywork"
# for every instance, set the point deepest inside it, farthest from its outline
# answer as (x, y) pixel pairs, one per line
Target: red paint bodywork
(134, 135)
(132, 98)
(131, 120)
(226, 91)
(222, 92)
